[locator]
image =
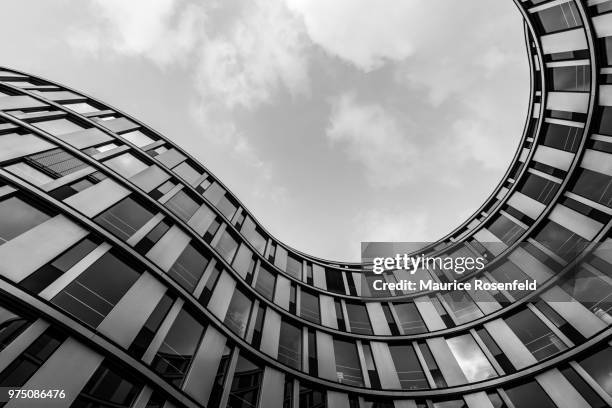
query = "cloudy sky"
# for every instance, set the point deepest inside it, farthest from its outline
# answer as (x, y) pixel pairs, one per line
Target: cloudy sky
(334, 121)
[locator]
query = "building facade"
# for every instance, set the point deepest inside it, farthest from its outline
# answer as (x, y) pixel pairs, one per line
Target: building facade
(131, 277)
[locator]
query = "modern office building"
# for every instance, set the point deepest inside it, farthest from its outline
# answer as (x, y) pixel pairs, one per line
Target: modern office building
(131, 277)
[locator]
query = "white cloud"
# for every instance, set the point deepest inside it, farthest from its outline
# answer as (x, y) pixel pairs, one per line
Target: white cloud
(366, 33)
(400, 226)
(261, 53)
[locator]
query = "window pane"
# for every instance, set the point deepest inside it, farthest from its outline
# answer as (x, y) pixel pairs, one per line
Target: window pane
(594, 186)
(245, 385)
(536, 336)
(471, 359)
(58, 126)
(124, 218)
(294, 267)
(560, 240)
(290, 345)
(409, 318)
(189, 267)
(358, 318)
(95, 292)
(408, 368)
(126, 165)
(309, 307)
(137, 138)
(592, 290)
(227, 246)
(108, 388)
(182, 205)
(540, 189)
(56, 162)
(29, 173)
(178, 348)
(17, 217)
(81, 107)
(238, 312)
(348, 369)
(559, 18)
(265, 282)
(251, 233)
(462, 306)
(529, 395)
(599, 366)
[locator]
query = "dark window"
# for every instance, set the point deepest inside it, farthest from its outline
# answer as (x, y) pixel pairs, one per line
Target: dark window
(430, 361)
(145, 244)
(540, 189)
(334, 281)
(288, 392)
(210, 284)
(94, 293)
(182, 205)
(358, 318)
(562, 324)
(290, 345)
(339, 315)
(348, 369)
(409, 318)
(227, 246)
(390, 320)
(508, 272)
(594, 400)
(370, 366)
(258, 327)
(124, 218)
(311, 397)
(17, 373)
(534, 334)
(244, 262)
(147, 332)
(558, 18)
(189, 267)
(313, 365)
(575, 78)
(265, 282)
(592, 289)
(238, 312)
(43, 276)
(217, 390)
(109, 387)
(594, 186)
(506, 229)
(603, 116)
(561, 241)
(562, 137)
(244, 391)
(68, 190)
(11, 325)
(56, 162)
(178, 348)
(599, 367)
(17, 217)
(408, 368)
(529, 395)
(309, 307)
(499, 355)
(294, 267)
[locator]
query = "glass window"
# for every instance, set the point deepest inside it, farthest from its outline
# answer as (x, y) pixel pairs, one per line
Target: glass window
(334, 281)
(575, 78)
(290, 345)
(408, 368)
(144, 245)
(508, 272)
(348, 369)
(594, 186)
(148, 331)
(534, 334)
(237, 316)
(244, 262)
(265, 282)
(244, 391)
(251, 232)
(409, 318)
(470, 358)
(17, 217)
(126, 164)
(217, 390)
(124, 218)
(370, 366)
(529, 395)
(358, 318)
(540, 189)
(599, 367)
(462, 306)
(182, 205)
(11, 325)
(189, 267)
(45, 275)
(431, 364)
(17, 373)
(294, 267)
(558, 18)
(218, 197)
(506, 229)
(311, 397)
(562, 137)
(187, 172)
(309, 307)
(58, 126)
(591, 289)
(592, 398)
(136, 137)
(560, 240)
(56, 162)
(227, 246)
(178, 348)
(29, 173)
(108, 387)
(95, 292)
(313, 364)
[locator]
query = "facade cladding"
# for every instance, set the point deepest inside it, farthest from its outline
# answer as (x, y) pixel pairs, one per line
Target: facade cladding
(131, 277)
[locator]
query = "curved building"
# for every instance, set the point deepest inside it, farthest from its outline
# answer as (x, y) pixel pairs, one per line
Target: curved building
(131, 277)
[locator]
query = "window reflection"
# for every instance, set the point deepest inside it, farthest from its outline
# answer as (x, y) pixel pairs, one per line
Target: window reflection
(348, 369)
(470, 358)
(534, 334)
(290, 345)
(408, 368)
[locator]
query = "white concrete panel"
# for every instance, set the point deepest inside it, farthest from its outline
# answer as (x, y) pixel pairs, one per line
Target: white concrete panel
(86, 138)
(282, 292)
(574, 221)
(222, 295)
(553, 157)
(272, 390)
(564, 41)
(328, 311)
(385, 365)
(13, 146)
(326, 357)
(560, 390)
(573, 312)
(530, 265)
(128, 316)
(97, 198)
(166, 251)
(337, 399)
(603, 25)
(430, 315)
(50, 239)
(510, 344)
(451, 371)
(318, 276)
(270, 333)
(527, 205)
(478, 400)
(605, 94)
(151, 177)
(378, 319)
(597, 161)
(568, 101)
(201, 219)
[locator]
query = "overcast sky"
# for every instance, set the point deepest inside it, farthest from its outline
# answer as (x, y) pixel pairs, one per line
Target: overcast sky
(334, 121)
